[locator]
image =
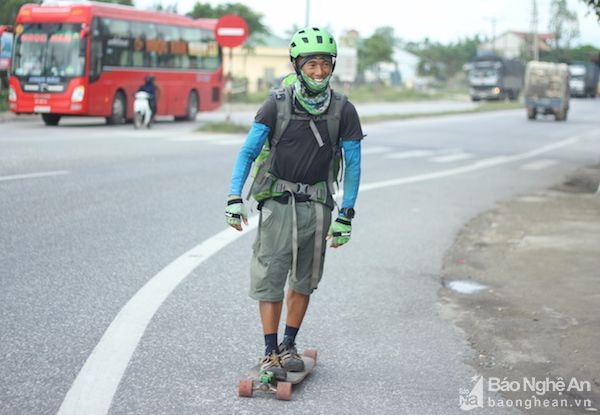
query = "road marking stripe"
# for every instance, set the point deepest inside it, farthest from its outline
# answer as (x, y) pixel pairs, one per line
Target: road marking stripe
(366, 150)
(478, 165)
(538, 165)
(94, 387)
(219, 140)
(230, 142)
(97, 382)
(34, 175)
(409, 154)
(448, 158)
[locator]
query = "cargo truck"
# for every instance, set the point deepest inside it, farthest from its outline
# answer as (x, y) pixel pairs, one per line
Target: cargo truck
(492, 77)
(547, 89)
(584, 79)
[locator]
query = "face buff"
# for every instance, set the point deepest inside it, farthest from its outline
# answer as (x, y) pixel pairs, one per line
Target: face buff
(313, 104)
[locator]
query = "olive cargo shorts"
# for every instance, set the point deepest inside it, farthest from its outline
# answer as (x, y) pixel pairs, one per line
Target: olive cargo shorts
(272, 251)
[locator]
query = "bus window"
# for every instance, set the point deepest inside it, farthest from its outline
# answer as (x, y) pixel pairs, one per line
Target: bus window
(96, 51)
(49, 50)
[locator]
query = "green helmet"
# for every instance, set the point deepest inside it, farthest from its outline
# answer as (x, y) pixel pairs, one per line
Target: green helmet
(310, 41)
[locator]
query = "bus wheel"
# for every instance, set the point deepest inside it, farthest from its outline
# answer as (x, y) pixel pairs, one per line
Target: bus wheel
(51, 119)
(118, 115)
(192, 107)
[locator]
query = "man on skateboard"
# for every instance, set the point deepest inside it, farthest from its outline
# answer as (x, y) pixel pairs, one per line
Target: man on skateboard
(307, 129)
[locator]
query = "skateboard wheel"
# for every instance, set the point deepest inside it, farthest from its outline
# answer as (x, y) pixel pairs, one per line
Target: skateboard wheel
(312, 353)
(245, 388)
(284, 391)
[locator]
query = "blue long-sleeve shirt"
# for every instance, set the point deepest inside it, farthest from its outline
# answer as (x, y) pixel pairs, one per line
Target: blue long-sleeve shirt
(351, 150)
(250, 150)
(256, 139)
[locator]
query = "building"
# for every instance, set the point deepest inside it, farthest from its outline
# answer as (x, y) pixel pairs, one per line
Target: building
(401, 72)
(513, 44)
(261, 66)
(265, 65)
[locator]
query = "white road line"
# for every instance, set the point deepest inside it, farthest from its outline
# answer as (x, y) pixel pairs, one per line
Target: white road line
(448, 158)
(34, 175)
(230, 142)
(94, 388)
(538, 165)
(367, 151)
(409, 154)
(219, 140)
(478, 165)
(92, 391)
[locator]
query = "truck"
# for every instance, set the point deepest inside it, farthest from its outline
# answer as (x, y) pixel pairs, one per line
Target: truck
(492, 77)
(584, 79)
(547, 89)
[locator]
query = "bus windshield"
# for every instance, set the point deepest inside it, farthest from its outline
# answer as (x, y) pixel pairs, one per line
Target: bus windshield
(49, 50)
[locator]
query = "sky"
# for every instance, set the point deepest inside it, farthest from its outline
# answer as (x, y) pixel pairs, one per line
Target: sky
(442, 21)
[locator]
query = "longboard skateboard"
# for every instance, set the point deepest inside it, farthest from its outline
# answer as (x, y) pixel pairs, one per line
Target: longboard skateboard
(264, 381)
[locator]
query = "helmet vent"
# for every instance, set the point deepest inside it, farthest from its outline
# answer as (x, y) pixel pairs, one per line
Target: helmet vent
(305, 39)
(320, 39)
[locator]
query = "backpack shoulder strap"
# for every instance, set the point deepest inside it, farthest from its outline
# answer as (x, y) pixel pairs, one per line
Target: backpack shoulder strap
(334, 116)
(283, 101)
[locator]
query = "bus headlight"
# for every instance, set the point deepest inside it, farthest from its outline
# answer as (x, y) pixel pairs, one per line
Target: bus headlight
(12, 95)
(78, 94)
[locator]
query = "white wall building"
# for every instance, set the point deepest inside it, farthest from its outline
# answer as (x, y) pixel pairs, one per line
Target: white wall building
(513, 44)
(401, 72)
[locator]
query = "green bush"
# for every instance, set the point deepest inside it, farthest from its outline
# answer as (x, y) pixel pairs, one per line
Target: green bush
(370, 93)
(3, 100)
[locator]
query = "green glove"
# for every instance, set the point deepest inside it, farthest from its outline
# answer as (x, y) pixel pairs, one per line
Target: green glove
(340, 231)
(235, 212)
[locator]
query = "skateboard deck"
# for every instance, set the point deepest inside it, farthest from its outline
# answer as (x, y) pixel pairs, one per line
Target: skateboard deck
(266, 382)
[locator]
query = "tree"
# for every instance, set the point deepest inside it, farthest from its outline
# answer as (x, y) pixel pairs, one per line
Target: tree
(376, 49)
(443, 61)
(253, 19)
(123, 2)
(171, 8)
(595, 6)
(10, 8)
(563, 24)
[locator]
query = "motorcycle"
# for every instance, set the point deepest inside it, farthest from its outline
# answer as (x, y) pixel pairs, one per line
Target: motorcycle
(142, 113)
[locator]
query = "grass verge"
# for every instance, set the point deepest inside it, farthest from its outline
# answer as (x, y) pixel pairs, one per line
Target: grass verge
(3, 100)
(485, 107)
(233, 128)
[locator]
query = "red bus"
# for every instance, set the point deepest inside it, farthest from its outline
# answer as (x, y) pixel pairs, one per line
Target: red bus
(90, 58)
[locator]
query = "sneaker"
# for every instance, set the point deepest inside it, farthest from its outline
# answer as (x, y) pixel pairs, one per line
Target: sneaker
(272, 363)
(290, 359)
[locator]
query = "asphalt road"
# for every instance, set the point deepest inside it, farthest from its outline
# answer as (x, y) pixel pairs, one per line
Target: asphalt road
(120, 292)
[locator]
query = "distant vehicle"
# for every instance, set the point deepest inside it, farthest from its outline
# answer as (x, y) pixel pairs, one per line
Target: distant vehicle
(89, 58)
(6, 40)
(584, 79)
(492, 77)
(547, 89)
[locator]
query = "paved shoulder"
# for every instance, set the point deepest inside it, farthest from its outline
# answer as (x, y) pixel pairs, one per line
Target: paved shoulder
(522, 280)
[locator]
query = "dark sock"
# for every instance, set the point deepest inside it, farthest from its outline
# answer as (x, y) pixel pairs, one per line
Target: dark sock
(289, 336)
(270, 343)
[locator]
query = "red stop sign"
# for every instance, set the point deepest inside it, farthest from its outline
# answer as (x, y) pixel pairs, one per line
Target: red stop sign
(231, 31)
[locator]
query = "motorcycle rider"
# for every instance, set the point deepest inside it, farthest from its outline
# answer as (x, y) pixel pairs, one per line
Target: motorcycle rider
(151, 89)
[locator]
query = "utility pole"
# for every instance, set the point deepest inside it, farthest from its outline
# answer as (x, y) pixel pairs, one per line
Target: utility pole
(307, 17)
(534, 33)
(493, 21)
